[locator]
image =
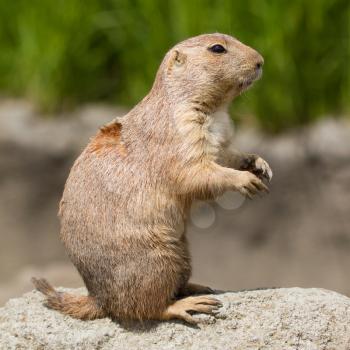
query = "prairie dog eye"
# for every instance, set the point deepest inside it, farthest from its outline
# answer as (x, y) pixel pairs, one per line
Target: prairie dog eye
(217, 48)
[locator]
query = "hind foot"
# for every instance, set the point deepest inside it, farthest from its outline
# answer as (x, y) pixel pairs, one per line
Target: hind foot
(193, 289)
(181, 308)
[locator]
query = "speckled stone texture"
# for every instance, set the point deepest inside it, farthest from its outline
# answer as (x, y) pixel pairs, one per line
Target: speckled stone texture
(283, 319)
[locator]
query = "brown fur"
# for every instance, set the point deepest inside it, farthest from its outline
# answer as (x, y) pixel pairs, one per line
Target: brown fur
(108, 139)
(126, 200)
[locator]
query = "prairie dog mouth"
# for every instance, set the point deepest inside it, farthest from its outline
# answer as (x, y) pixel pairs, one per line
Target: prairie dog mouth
(245, 83)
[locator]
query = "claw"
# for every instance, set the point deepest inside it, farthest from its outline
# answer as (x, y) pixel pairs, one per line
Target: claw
(207, 300)
(244, 191)
(265, 188)
(261, 169)
(188, 318)
(269, 174)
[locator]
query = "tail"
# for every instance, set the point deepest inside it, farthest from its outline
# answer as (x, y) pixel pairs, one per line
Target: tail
(77, 306)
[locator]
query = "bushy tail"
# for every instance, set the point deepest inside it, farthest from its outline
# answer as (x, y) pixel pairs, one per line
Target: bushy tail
(77, 306)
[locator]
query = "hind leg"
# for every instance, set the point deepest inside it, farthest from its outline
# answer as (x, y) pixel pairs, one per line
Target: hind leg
(181, 308)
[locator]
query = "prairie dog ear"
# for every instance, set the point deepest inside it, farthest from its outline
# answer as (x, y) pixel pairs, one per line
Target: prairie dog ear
(177, 59)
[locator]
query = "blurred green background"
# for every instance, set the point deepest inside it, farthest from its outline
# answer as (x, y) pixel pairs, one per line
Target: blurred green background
(63, 53)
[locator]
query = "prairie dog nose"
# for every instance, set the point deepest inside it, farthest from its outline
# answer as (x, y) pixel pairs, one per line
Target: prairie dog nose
(259, 62)
(250, 56)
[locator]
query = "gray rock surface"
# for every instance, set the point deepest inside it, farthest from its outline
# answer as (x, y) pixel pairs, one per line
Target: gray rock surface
(283, 319)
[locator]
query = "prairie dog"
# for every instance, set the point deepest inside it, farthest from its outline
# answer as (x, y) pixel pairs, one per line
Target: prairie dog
(125, 203)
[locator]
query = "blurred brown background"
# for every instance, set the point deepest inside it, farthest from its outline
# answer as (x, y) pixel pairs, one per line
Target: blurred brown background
(298, 235)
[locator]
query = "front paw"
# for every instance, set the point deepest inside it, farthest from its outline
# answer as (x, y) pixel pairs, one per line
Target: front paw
(249, 184)
(258, 166)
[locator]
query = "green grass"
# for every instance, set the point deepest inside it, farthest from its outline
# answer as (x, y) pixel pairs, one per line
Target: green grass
(62, 53)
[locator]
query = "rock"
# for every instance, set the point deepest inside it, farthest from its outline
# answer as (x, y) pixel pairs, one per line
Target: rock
(271, 319)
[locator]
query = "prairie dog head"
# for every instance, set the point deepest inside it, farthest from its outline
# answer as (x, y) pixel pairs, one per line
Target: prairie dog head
(211, 67)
